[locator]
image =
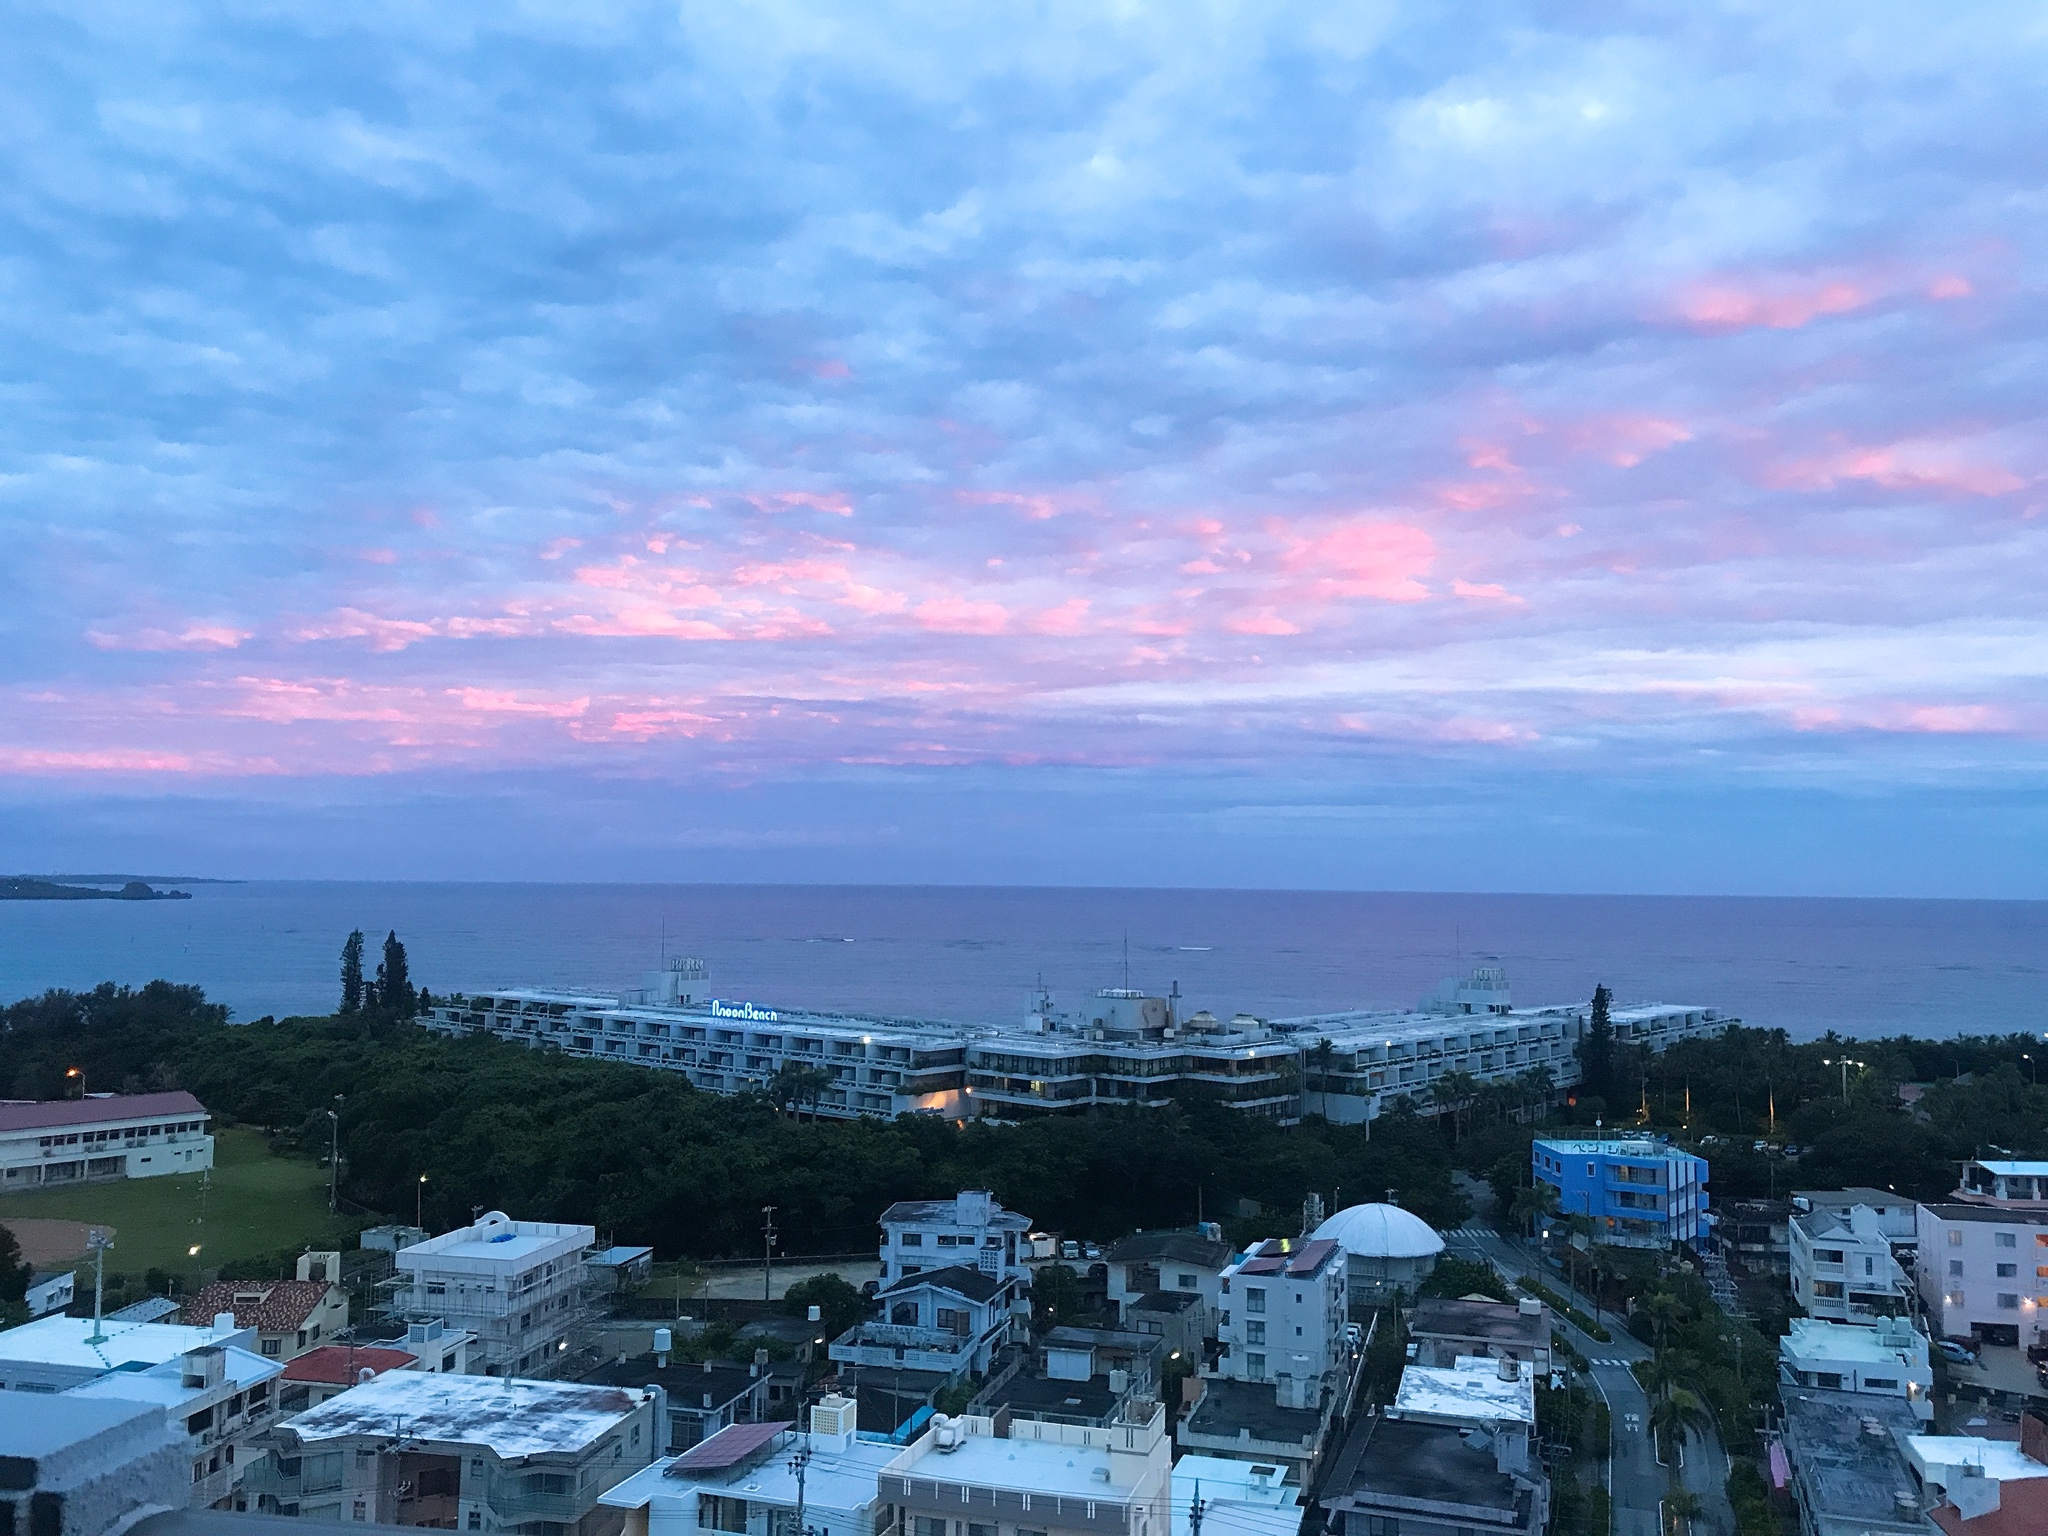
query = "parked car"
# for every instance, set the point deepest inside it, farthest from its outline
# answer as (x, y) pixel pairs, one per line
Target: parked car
(1955, 1353)
(1070, 1249)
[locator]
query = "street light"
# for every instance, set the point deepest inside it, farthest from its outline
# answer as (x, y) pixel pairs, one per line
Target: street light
(419, 1204)
(2032, 1070)
(1845, 1064)
(79, 1074)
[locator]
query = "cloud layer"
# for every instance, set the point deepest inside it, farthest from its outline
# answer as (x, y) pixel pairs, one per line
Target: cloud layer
(765, 393)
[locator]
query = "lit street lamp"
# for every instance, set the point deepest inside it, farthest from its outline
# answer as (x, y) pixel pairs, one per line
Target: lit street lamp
(1845, 1064)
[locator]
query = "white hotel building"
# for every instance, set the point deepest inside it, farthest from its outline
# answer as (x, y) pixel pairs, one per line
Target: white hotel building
(1121, 1047)
(1983, 1255)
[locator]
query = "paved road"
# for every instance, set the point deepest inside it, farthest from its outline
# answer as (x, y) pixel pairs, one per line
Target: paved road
(1635, 1482)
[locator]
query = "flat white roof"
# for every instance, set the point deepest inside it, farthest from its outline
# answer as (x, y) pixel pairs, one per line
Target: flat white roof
(1240, 1498)
(497, 1239)
(2023, 1170)
(64, 1341)
(1472, 1390)
(1819, 1339)
(2001, 1460)
(836, 1478)
(1024, 1466)
(165, 1384)
(510, 1416)
(1614, 1146)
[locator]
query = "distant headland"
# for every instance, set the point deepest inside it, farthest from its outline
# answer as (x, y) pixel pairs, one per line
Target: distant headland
(29, 888)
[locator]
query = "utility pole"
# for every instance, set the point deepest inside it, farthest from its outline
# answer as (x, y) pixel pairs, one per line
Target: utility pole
(98, 1241)
(797, 1464)
(1196, 1509)
(767, 1252)
(334, 1157)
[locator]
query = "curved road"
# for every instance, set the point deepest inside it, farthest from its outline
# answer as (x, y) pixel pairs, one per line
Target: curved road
(1635, 1480)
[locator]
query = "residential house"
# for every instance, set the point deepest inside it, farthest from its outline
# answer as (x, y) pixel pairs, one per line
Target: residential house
(1986, 1487)
(1080, 1376)
(223, 1397)
(1983, 1270)
(332, 1369)
(1179, 1263)
(102, 1136)
(1414, 1475)
(1443, 1331)
(1283, 1359)
(947, 1321)
(1847, 1465)
(971, 1230)
(50, 1290)
(1895, 1214)
(519, 1286)
(697, 1399)
(1755, 1237)
(1241, 1497)
(2007, 1184)
(1638, 1191)
(1842, 1267)
(747, 1478)
(289, 1316)
(1175, 1318)
(459, 1452)
(80, 1467)
(1059, 1479)
(1888, 1360)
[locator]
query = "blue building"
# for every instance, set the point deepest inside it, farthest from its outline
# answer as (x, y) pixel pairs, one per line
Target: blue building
(1640, 1191)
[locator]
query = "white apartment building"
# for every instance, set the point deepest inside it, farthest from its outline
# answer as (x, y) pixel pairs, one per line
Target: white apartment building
(1895, 1214)
(461, 1453)
(1172, 1263)
(518, 1286)
(1983, 1271)
(1120, 1047)
(971, 1229)
(1889, 1359)
(222, 1397)
(1283, 1319)
(56, 1353)
(1842, 1269)
(102, 1136)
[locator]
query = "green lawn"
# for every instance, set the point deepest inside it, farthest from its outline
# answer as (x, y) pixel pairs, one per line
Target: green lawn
(253, 1204)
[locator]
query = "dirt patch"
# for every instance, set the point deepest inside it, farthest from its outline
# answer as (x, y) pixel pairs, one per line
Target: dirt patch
(45, 1242)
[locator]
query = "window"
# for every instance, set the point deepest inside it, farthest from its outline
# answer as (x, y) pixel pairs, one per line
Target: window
(1828, 1255)
(1869, 1266)
(1952, 1299)
(1829, 1379)
(1187, 1282)
(1255, 1298)
(2008, 1271)
(1255, 1333)
(927, 1526)
(1382, 1525)
(272, 1346)
(2008, 1239)
(476, 1520)
(1955, 1266)
(2008, 1301)
(1881, 1383)
(1255, 1367)
(911, 1240)
(1955, 1237)
(980, 1530)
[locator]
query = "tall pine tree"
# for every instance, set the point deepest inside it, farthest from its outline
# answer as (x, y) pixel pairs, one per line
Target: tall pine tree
(352, 973)
(395, 994)
(1596, 1048)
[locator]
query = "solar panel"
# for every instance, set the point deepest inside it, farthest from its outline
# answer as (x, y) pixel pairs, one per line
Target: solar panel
(728, 1448)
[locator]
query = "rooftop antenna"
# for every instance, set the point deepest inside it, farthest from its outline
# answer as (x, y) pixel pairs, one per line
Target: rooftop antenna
(98, 1241)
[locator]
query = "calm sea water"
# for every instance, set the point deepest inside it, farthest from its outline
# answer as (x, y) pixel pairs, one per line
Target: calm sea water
(1806, 965)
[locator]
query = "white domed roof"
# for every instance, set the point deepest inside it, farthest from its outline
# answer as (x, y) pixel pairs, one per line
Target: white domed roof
(1382, 1232)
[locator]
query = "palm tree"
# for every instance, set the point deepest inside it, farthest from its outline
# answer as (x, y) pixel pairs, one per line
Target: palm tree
(1321, 1055)
(1678, 1413)
(1681, 1507)
(1454, 1092)
(1533, 1204)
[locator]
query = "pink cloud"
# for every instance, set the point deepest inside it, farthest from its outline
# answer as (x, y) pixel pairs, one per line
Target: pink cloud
(1066, 619)
(1366, 558)
(1627, 440)
(193, 637)
(32, 760)
(1486, 592)
(1262, 622)
(555, 549)
(962, 616)
(1911, 466)
(1783, 305)
(354, 624)
(501, 702)
(1950, 286)
(835, 502)
(1954, 719)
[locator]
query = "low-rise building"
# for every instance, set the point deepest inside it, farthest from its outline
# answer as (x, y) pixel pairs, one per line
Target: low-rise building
(1398, 1475)
(1079, 1376)
(222, 1397)
(971, 1229)
(332, 1369)
(1894, 1213)
(1889, 1359)
(79, 1467)
(102, 1136)
(1477, 1392)
(1444, 1331)
(1638, 1191)
(697, 1400)
(55, 1353)
(746, 1478)
(2007, 1183)
(1175, 1318)
(1986, 1487)
(289, 1316)
(1847, 1462)
(1060, 1479)
(1388, 1252)
(948, 1321)
(1983, 1270)
(519, 1286)
(1179, 1263)
(1755, 1237)
(1842, 1266)
(459, 1452)
(50, 1290)
(1241, 1497)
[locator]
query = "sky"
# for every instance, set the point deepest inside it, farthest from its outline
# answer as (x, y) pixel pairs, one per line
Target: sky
(1491, 446)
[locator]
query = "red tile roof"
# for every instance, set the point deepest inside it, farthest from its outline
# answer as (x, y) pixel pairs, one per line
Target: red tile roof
(338, 1365)
(120, 1106)
(2022, 1511)
(268, 1306)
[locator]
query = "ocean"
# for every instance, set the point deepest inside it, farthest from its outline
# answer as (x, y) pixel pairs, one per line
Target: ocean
(1807, 965)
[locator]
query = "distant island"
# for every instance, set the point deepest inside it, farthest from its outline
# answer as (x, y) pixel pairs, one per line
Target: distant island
(26, 888)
